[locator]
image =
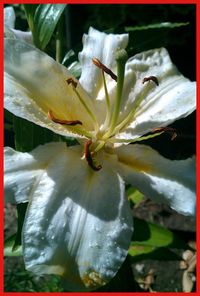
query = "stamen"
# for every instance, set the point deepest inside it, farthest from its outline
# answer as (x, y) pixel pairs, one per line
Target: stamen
(126, 121)
(169, 130)
(108, 113)
(151, 78)
(99, 146)
(143, 138)
(61, 121)
(89, 158)
(72, 81)
(74, 85)
(104, 68)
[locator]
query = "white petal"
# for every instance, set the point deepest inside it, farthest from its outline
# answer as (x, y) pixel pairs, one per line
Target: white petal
(174, 98)
(78, 224)
(35, 83)
(17, 34)
(25, 36)
(102, 46)
(9, 24)
(9, 17)
(163, 180)
(22, 171)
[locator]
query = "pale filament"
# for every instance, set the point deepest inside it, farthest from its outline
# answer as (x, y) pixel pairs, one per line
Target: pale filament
(94, 120)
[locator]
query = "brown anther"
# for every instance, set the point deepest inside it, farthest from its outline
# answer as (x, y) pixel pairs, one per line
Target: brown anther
(89, 158)
(169, 130)
(104, 68)
(151, 78)
(60, 121)
(72, 81)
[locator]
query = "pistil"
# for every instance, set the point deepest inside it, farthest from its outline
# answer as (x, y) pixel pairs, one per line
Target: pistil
(121, 59)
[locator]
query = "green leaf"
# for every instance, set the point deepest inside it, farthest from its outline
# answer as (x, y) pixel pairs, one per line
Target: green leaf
(151, 234)
(142, 252)
(136, 250)
(43, 21)
(8, 247)
(68, 57)
(148, 237)
(29, 135)
(165, 25)
(134, 195)
(75, 69)
(30, 12)
(72, 64)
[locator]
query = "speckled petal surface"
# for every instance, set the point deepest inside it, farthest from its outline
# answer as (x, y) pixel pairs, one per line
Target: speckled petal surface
(78, 222)
(23, 170)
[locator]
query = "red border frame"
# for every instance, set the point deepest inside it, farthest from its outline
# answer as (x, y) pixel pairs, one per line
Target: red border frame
(197, 2)
(106, 1)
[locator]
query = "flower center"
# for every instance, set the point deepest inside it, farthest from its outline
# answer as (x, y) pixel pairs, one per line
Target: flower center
(112, 125)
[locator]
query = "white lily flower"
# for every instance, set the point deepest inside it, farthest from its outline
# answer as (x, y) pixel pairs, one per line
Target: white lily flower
(9, 25)
(78, 222)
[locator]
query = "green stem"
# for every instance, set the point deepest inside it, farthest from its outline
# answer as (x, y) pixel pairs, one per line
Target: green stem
(59, 40)
(121, 58)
